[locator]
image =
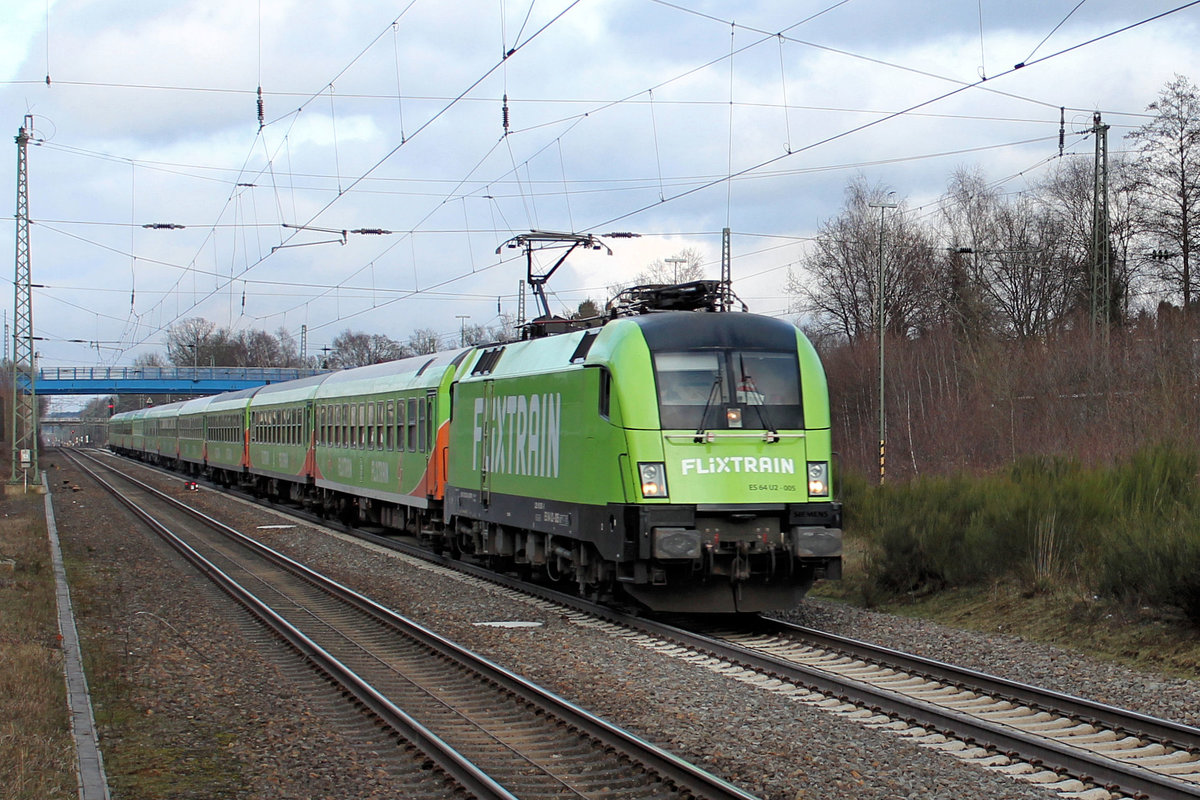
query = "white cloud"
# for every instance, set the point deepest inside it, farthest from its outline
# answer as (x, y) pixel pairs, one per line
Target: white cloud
(573, 158)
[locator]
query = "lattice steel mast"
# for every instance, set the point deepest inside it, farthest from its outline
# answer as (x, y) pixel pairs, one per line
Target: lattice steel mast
(24, 404)
(1101, 316)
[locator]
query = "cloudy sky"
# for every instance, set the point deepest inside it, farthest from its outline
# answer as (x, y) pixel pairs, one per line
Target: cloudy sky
(671, 120)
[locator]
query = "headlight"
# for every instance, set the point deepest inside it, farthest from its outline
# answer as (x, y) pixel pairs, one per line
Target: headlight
(818, 479)
(654, 478)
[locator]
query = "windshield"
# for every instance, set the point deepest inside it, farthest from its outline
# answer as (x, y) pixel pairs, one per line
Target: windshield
(725, 388)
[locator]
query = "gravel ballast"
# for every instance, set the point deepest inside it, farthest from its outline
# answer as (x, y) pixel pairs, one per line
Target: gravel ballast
(235, 708)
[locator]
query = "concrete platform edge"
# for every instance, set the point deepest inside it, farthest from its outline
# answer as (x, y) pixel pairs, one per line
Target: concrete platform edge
(93, 783)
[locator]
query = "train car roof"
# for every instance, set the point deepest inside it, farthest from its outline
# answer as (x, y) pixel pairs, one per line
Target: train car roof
(418, 372)
(165, 410)
(136, 413)
(680, 330)
(299, 390)
(196, 405)
(532, 356)
(231, 401)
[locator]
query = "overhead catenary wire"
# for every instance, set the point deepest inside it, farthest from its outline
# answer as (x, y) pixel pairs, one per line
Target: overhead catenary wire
(528, 180)
(433, 118)
(873, 123)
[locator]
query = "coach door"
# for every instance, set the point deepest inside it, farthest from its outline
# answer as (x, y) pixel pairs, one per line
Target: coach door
(485, 446)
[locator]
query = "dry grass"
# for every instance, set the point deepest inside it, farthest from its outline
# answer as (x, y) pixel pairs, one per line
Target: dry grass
(37, 756)
(1136, 637)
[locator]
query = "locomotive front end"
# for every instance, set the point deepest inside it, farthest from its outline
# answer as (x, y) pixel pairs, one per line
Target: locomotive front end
(736, 510)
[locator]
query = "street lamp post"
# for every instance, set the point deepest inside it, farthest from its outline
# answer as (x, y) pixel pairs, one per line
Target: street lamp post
(675, 261)
(882, 330)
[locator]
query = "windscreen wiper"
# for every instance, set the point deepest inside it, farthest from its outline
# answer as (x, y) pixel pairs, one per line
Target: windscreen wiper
(712, 395)
(749, 386)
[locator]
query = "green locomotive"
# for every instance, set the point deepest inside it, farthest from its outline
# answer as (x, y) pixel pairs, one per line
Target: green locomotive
(680, 458)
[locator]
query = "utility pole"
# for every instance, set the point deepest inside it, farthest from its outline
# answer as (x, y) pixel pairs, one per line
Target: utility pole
(1101, 258)
(24, 404)
(462, 328)
(726, 271)
(521, 307)
(882, 333)
(304, 345)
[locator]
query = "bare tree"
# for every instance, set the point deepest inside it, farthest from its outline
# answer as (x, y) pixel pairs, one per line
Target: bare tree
(839, 285)
(682, 267)
(358, 349)
(1026, 279)
(504, 330)
(192, 342)
(424, 341)
(289, 350)
(1066, 196)
(1168, 173)
(474, 334)
(256, 348)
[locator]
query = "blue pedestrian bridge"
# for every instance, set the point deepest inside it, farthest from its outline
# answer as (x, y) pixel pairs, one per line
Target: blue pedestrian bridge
(158, 380)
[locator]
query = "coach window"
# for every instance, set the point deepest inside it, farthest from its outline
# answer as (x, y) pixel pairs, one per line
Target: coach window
(424, 426)
(390, 422)
(370, 424)
(412, 425)
(379, 424)
(400, 425)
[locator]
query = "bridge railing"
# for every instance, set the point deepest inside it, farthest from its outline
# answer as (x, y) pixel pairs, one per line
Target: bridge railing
(263, 374)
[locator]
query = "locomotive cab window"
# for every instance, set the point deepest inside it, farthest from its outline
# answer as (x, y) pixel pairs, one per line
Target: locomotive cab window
(727, 388)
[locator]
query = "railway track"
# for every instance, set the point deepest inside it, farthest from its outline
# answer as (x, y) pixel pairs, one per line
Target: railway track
(1073, 746)
(1056, 738)
(493, 734)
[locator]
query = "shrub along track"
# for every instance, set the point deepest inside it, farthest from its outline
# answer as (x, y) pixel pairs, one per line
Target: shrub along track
(491, 732)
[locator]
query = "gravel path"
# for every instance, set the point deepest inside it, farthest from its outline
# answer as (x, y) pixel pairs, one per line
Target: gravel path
(236, 710)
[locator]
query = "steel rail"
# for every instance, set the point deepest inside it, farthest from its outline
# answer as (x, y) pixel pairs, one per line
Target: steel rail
(1185, 737)
(671, 768)
(1092, 768)
(453, 763)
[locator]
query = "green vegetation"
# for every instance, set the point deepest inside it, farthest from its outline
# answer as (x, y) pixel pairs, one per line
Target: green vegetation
(1127, 533)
